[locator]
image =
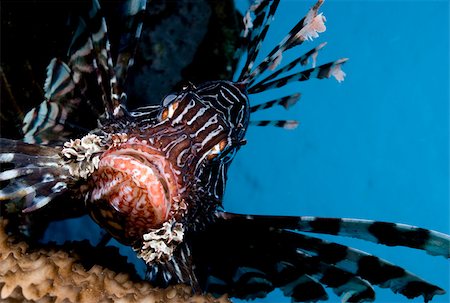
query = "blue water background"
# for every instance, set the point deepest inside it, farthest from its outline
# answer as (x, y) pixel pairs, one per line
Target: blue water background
(375, 146)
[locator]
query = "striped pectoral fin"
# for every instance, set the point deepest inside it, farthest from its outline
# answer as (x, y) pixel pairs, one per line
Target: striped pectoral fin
(54, 119)
(323, 71)
(31, 173)
(133, 11)
(59, 80)
(306, 29)
(256, 30)
(302, 60)
(287, 102)
(286, 124)
(47, 121)
(90, 53)
(348, 286)
(248, 261)
(356, 263)
(303, 288)
(371, 268)
(37, 185)
(392, 234)
(92, 26)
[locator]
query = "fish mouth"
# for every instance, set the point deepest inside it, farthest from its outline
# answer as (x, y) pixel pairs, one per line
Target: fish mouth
(139, 183)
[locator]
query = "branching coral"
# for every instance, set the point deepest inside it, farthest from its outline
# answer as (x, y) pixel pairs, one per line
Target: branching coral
(54, 275)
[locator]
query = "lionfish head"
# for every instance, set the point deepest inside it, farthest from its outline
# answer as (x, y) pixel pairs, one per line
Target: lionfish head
(159, 170)
(215, 115)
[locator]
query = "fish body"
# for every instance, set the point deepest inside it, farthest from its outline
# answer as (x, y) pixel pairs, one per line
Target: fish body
(154, 177)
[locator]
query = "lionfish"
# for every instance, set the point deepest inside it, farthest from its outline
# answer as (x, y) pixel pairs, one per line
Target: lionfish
(154, 177)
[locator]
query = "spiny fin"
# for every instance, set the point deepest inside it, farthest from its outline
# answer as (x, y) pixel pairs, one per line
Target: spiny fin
(302, 60)
(323, 71)
(256, 30)
(44, 123)
(47, 121)
(349, 287)
(386, 233)
(392, 234)
(224, 258)
(371, 268)
(286, 102)
(133, 11)
(59, 80)
(31, 173)
(90, 55)
(69, 88)
(273, 238)
(305, 29)
(286, 124)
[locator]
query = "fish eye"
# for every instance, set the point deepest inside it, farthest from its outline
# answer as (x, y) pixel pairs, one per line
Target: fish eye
(168, 112)
(168, 99)
(169, 104)
(217, 149)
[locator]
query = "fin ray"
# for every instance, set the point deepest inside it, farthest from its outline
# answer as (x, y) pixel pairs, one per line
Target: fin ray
(286, 124)
(38, 174)
(323, 71)
(286, 102)
(391, 234)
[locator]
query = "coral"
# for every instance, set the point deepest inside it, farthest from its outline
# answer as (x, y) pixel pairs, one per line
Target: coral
(55, 275)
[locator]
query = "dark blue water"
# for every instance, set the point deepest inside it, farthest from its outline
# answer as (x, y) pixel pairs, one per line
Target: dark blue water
(375, 146)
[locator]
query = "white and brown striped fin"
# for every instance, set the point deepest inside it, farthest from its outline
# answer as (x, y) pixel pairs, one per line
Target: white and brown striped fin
(177, 270)
(391, 234)
(48, 120)
(286, 102)
(253, 35)
(370, 268)
(89, 50)
(59, 81)
(252, 26)
(293, 262)
(286, 124)
(133, 13)
(31, 174)
(306, 29)
(321, 72)
(89, 72)
(43, 121)
(264, 12)
(51, 120)
(302, 60)
(225, 262)
(309, 287)
(249, 28)
(303, 278)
